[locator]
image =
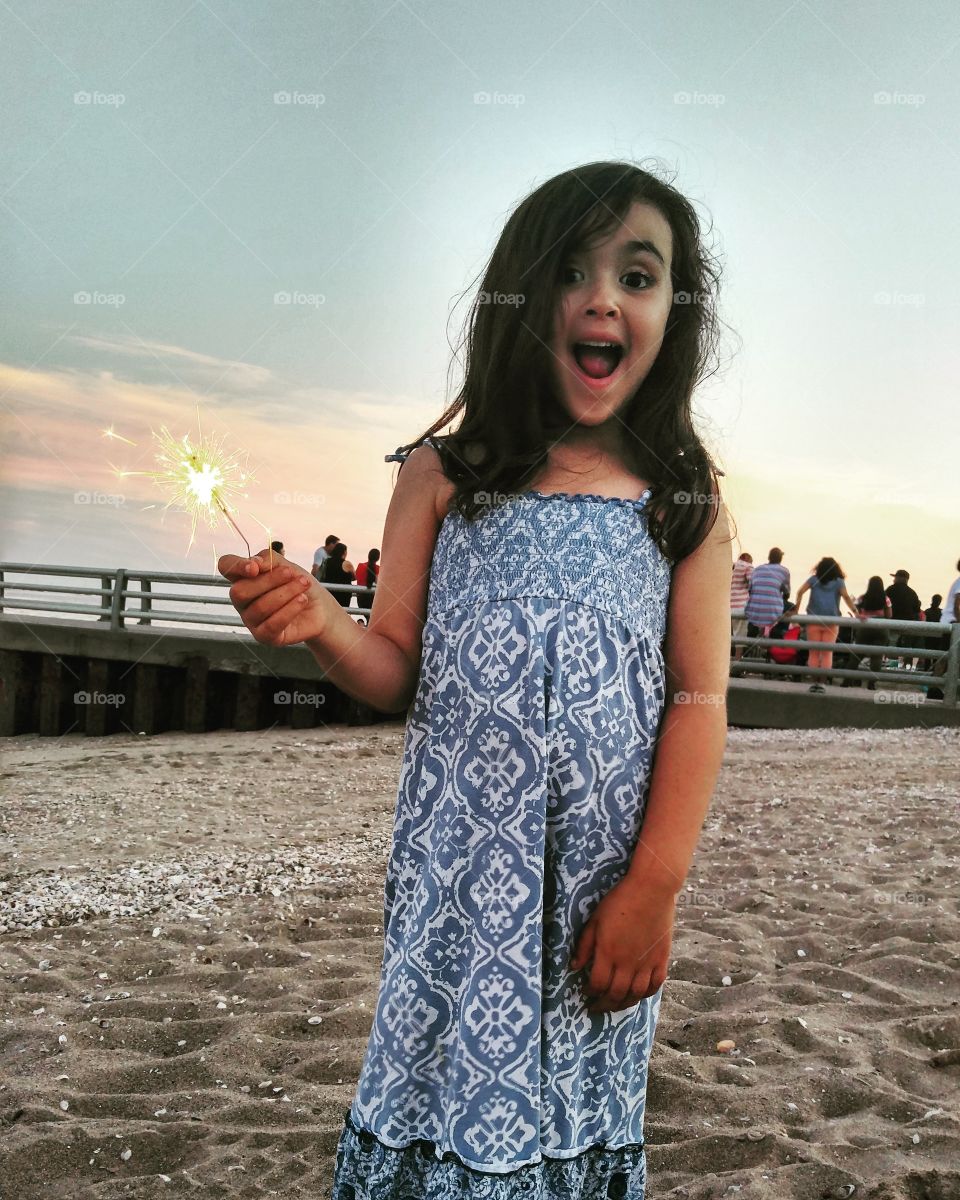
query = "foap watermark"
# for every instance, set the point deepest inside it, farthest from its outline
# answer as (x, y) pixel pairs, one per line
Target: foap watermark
(695, 498)
(703, 99)
(507, 99)
(716, 698)
(690, 297)
(906, 899)
(911, 699)
(300, 499)
(900, 99)
(107, 299)
(100, 499)
(303, 299)
(314, 699)
(510, 299)
(693, 897)
(104, 99)
(300, 99)
(107, 699)
(903, 299)
(493, 498)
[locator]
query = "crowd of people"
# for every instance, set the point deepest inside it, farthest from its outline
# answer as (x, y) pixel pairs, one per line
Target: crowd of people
(760, 607)
(331, 565)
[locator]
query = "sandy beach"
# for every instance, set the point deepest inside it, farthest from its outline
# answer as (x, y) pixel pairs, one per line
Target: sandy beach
(191, 932)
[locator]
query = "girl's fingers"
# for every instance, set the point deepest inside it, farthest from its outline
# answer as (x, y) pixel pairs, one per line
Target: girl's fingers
(641, 986)
(275, 630)
(272, 612)
(584, 948)
(247, 592)
(600, 977)
(617, 991)
(258, 564)
(232, 567)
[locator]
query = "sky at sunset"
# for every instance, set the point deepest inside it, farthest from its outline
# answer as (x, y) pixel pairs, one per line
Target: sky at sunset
(172, 171)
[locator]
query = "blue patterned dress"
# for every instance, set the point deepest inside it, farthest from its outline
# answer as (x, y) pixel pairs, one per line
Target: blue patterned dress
(525, 772)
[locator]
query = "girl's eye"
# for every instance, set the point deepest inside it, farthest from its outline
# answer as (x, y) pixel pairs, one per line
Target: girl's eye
(629, 275)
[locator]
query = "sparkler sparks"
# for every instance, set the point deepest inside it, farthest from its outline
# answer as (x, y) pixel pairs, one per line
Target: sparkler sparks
(199, 476)
(117, 436)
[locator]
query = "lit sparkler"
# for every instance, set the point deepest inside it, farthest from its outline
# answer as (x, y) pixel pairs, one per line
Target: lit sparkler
(200, 476)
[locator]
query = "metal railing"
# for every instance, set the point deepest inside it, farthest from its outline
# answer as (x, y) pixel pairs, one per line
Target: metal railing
(756, 660)
(118, 598)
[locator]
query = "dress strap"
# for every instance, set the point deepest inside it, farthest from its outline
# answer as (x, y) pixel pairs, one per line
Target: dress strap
(399, 456)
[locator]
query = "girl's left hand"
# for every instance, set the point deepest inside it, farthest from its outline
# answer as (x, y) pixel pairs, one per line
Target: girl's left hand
(628, 935)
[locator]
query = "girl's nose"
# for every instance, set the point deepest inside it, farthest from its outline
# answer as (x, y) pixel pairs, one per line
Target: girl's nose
(600, 302)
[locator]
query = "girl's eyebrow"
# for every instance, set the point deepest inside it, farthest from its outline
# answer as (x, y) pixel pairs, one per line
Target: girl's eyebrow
(628, 249)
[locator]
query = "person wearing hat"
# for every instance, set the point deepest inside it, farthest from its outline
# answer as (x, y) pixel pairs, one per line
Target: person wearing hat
(905, 605)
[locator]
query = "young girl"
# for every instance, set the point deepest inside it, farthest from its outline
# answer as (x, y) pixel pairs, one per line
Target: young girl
(553, 618)
(827, 585)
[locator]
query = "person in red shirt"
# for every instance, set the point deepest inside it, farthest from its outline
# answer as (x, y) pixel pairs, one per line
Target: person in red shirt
(367, 574)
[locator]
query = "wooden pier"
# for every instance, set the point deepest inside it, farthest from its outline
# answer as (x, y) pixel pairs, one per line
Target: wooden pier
(59, 677)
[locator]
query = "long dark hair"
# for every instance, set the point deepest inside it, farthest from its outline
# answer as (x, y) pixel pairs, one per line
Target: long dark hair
(372, 558)
(874, 597)
(828, 569)
(511, 412)
(333, 564)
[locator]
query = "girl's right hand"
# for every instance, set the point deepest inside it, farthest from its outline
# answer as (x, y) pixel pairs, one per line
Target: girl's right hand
(280, 603)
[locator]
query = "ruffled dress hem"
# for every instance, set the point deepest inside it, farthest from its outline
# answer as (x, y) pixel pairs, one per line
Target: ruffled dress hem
(424, 1145)
(367, 1166)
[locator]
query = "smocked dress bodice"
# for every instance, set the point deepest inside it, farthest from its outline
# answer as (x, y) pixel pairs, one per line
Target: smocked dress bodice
(585, 548)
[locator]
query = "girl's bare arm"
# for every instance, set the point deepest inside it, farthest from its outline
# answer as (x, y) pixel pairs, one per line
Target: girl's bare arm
(380, 664)
(693, 728)
(377, 664)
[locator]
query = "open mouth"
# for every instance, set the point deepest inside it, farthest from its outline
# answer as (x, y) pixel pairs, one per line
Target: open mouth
(597, 360)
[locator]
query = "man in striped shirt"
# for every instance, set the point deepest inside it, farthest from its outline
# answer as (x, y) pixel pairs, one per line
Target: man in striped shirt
(739, 595)
(769, 588)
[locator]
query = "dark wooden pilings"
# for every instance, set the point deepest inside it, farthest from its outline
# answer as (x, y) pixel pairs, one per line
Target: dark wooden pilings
(203, 687)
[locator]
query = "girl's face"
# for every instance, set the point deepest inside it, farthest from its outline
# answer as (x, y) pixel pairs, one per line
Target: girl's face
(619, 291)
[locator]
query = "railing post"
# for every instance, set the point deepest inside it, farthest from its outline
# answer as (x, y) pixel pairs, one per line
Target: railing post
(146, 603)
(1, 589)
(106, 600)
(116, 609)
(952, 677)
